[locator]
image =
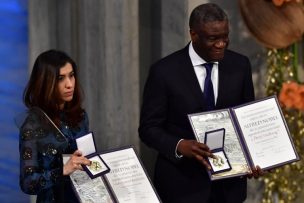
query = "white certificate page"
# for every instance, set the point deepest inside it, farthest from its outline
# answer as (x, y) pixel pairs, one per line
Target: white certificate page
(128, 178)
(265, 133)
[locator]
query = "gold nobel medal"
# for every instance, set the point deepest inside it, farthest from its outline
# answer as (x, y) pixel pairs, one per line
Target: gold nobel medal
(218, 161)
(95, 166)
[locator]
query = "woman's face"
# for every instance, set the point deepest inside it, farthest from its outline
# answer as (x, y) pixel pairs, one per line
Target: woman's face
(66, 84)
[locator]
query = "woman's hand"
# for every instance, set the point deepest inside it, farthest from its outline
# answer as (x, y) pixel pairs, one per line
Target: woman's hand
(74, 163)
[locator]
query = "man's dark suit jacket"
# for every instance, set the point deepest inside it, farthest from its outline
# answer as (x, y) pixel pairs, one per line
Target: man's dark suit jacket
(171, 93)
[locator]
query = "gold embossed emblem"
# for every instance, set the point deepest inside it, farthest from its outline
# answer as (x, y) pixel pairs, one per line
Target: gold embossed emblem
(95, 166)
(218, 161)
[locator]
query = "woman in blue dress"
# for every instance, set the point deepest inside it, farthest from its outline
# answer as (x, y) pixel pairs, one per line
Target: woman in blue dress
(55, 118)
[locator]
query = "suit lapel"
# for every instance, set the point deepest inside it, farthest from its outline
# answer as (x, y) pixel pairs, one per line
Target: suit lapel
(189, 76)
(223, 82)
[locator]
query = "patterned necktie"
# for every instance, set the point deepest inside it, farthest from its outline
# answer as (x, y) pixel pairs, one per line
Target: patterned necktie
(208, 88)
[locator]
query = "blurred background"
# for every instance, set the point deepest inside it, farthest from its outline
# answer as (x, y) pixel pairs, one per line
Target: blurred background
(114, 42)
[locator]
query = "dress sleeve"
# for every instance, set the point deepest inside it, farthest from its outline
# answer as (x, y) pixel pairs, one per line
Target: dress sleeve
(40, 163)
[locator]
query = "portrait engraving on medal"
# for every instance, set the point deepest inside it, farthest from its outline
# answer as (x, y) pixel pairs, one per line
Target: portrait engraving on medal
(95, 166)
(220, 162)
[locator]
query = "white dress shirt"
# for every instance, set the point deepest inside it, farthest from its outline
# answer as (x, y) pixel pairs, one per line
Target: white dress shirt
(201, 73)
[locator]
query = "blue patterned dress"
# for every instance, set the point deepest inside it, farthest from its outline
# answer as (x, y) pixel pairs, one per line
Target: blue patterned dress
(41, 146)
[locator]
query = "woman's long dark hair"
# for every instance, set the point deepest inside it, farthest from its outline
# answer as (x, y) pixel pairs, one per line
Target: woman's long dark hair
(42, 89)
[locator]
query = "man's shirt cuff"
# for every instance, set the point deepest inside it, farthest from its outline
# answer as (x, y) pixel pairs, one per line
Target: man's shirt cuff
(177, 155)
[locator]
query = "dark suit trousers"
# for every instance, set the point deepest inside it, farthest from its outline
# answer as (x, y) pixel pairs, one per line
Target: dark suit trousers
(189, 183)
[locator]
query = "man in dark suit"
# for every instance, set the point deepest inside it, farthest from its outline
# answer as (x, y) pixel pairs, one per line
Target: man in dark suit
(174, 89)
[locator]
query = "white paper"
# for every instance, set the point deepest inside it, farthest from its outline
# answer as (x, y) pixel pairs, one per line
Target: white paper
(127, 177)
(86, 144)
(265, 133)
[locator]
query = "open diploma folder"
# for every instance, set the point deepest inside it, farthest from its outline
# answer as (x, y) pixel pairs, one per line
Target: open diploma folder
(127, 181)
(255, 134)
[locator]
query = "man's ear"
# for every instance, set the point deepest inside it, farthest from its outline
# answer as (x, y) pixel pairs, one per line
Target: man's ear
(193, 35)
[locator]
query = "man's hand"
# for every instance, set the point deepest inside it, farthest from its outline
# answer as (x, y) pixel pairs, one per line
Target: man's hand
(256, 172)
(74, 163)
(194, 149)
